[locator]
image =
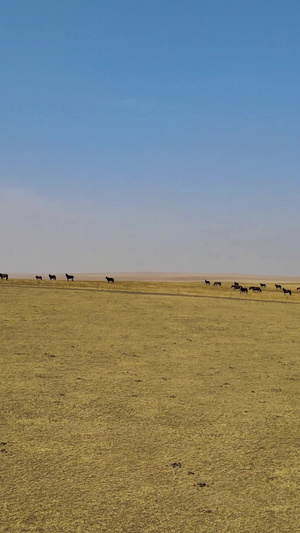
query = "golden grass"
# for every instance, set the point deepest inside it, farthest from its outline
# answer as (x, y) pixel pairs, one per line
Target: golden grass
(188, 288)
(130, 412)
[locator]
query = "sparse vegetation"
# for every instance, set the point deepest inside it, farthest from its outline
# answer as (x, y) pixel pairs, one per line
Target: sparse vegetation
(131, 412)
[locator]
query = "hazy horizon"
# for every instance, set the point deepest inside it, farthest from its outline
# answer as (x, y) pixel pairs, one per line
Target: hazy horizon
(150, 137)
(161, 276)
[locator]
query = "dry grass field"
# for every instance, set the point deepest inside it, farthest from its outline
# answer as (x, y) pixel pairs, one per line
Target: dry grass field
(130, 407)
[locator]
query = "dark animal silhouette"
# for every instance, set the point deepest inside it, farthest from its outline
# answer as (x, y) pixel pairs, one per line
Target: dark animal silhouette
(52, 277)
(38, 278)
(235, 286)
(207, 282)
(287, 291)
(110, 280)
(298, 288)
(278, 286)
(217, 284)
(255, 289)
(263, 285)
(4, 276)
(69, 278)
(243, 290)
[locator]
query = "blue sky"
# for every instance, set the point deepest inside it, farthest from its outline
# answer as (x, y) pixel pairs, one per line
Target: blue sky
(150, 136)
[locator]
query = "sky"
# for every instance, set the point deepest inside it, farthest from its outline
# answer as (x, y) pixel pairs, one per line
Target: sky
(158, 135)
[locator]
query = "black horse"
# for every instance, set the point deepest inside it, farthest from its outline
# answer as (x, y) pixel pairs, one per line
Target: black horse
(4, 276)
(52, 277)
(263, 285)
(207, 282)
(243, 290)
(217, 284)
(69, 278)
(235, 286)
(287, 291)
(110, 280)
(278, 286)
(38, 278)
(255, 289)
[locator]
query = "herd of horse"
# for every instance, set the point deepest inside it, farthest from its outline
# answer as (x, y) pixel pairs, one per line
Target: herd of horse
(69, 277)
(52, 277)
(244, 290)
(236, 286)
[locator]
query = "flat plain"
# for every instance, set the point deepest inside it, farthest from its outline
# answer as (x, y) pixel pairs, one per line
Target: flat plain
(148, 407)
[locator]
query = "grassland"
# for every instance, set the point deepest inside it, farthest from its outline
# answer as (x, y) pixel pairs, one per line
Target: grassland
(131, 408)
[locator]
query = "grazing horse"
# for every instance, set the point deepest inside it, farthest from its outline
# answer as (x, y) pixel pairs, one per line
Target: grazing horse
(298, 288)
(278, 286)
(217, 284)
(263, 285)
(69, 278)
(235, 286)
(4, 276)
(243, 290)
(207, 282)
(38, 278)
(287, 291)
(110, 280)
(255, 289)
(52, 277)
